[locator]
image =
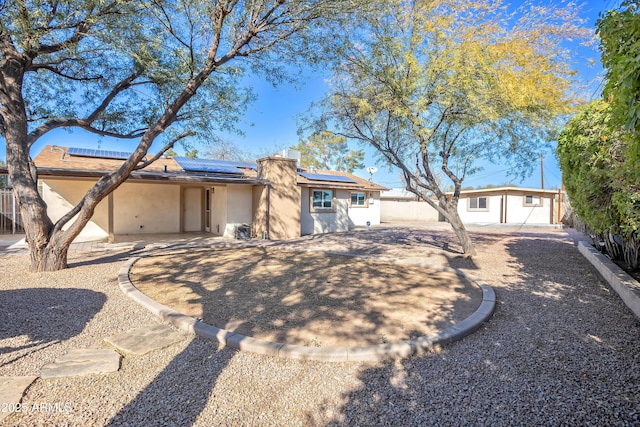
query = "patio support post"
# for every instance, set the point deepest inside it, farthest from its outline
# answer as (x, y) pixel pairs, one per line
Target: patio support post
(112, 237)
(13, 213)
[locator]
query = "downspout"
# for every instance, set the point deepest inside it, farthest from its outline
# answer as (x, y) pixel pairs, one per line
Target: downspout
(268, 231)
(506, 203)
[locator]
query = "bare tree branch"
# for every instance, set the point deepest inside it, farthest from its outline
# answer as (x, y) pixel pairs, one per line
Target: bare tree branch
(159, 154)
(48, 67)
(86, 123)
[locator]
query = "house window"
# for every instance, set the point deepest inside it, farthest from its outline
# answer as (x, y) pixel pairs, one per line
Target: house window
(531, 200)
(359, 199)
(479, 203)
(322, 199)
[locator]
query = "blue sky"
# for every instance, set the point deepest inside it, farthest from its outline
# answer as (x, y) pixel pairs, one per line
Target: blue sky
(270, 123)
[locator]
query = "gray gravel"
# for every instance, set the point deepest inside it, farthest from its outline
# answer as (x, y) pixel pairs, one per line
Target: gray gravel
(561, 349)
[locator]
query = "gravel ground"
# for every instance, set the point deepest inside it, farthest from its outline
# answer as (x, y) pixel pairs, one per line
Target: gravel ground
(561, 348)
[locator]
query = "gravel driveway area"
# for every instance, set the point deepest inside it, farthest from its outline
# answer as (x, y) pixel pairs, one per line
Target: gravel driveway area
(561, 348)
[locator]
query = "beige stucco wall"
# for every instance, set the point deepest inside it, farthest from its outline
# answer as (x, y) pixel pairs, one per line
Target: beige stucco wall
(219, 210)
(61, 195)
(407, 210)
(137, 207)
(193, 209)
(140, 208)
(283, 198)
(239, 206)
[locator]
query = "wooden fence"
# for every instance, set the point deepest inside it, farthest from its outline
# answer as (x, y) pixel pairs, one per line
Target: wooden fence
(10, 220)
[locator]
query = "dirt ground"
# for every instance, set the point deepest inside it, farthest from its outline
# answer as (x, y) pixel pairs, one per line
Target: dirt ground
(306, 298)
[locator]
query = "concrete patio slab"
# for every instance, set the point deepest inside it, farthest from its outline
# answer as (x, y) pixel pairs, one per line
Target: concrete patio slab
(82, 361)
(11, 391)
(145, 340)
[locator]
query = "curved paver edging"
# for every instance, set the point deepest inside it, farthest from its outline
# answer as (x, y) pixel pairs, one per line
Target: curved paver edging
(370, 353)
(626, 286)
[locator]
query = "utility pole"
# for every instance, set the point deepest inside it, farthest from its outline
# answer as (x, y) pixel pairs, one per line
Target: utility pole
(542, 170)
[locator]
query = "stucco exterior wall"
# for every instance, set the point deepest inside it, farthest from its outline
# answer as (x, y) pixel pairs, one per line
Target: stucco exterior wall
(239, 205)
(61, 195)
(517, 213)
(509, 205)
(219, 210)
(325, 222)
(140, 208)
(359, 215)
(281, 199)
(491, 215)
(193, 209)
(407, 210)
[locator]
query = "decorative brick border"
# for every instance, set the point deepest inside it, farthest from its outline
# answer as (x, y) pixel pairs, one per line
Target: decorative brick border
(370, 353)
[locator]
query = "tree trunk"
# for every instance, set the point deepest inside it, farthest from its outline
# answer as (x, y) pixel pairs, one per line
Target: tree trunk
(461, 232)
(37, 225)
(449, 209)
(49, 258)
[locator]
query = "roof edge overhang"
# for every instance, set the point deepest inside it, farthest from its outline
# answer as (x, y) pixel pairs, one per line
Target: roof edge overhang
(340, 185)
(502, 190)
(150, 176)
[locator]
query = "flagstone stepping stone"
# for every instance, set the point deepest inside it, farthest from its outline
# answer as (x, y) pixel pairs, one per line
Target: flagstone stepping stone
(144, 340)
(82, 361)
(11, 392)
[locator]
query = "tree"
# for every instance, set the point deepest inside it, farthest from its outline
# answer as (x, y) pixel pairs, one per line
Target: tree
(137, 69)
(227, 150)
(436, 85)
(326, 150)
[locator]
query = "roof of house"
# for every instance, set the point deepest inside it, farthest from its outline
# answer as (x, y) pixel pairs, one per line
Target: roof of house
(335, 179)
(503, 190)
(74, 162)
(402, 194)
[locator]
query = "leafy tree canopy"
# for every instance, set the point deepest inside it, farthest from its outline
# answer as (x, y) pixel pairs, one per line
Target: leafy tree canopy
(600, 185)
(137, 69)
(619, 32)
(326, 150)
(436, 85)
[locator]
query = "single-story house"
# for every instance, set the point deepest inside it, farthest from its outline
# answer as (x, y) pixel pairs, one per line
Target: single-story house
(271, 199)
(500, 205)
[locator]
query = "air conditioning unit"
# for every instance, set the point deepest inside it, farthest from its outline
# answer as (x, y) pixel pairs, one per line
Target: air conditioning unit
(243, 231)
(288, 153)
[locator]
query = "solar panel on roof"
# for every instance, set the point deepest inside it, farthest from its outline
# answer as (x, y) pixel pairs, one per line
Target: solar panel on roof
(324, 177)
(206, 165)
(243, 165)
(103, 154)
